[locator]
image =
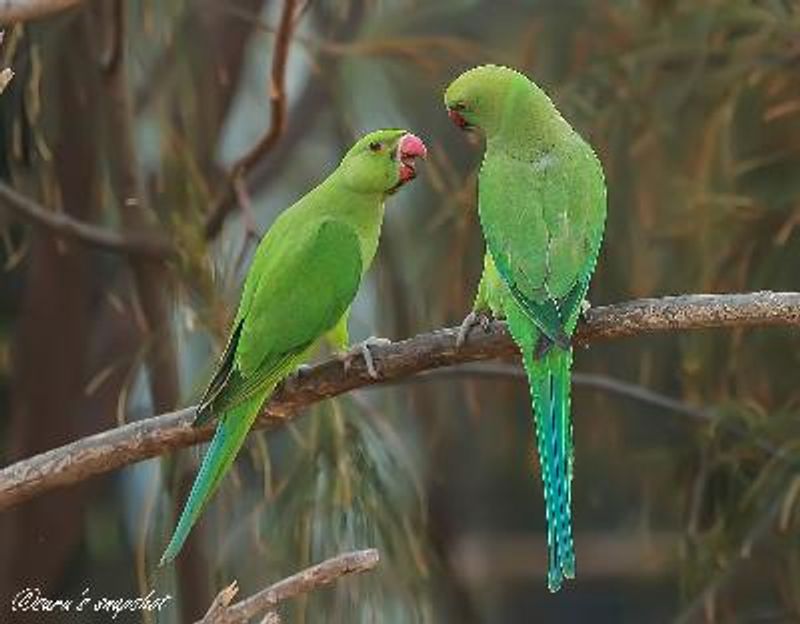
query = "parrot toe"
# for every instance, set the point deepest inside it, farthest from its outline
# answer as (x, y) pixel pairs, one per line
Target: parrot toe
(363, 349)
(472, 319)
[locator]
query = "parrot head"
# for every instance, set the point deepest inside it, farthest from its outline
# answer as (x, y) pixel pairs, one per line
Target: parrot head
(382, 161)
(477, 98)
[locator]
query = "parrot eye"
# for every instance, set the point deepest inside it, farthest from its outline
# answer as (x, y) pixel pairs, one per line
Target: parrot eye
(458, 106)
(375, 146)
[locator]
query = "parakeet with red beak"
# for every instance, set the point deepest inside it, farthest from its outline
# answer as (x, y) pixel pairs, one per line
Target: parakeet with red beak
(303, 278)
(542, 207)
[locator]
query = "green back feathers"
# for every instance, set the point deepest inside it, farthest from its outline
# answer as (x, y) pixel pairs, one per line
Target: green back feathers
(542, 207)
(541, 190)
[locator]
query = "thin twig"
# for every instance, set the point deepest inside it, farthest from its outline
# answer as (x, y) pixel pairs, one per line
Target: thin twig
(314, 94)
(277, 98)
(152, 244)
(610, 385)
(589, 380)
(220, 603)
(303, 582)
(158, 435)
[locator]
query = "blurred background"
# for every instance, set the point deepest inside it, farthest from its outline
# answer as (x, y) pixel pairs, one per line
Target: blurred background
(686, 509)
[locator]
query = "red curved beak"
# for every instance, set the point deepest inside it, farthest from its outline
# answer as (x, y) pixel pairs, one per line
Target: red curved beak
(409, 147)
(412, 146)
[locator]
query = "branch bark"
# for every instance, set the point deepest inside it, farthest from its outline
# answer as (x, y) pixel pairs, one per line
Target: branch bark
(158, 435)
(152, 244)
(22, 10)
(303, 582)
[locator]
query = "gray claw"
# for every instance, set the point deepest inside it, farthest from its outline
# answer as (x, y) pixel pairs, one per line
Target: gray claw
(472, 319)
(369, 361)
(363, 349)
(466, 326)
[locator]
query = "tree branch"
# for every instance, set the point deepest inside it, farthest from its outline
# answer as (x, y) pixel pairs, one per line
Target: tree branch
(152, 244)
(158, 435)
(277, 98)
(303, 582)
(21, 10)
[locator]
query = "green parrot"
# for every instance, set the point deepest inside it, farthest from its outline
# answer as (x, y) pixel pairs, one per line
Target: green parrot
(303, 278)
(542, 208)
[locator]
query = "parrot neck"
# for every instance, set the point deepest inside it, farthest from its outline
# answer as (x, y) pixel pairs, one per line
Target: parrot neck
(361, 211)
(530, 124)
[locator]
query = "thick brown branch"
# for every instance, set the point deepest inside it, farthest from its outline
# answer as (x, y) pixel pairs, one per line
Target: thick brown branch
(21, 10)
(152, 244)
(277, 98)
(303, 582)
(158, 435)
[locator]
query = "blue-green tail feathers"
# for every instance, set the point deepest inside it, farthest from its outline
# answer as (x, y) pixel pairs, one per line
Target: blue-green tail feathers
(549, 379)
(228, 439)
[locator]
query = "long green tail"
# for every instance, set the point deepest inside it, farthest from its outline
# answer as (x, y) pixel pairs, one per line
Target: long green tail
(228, 439)
(549, 379)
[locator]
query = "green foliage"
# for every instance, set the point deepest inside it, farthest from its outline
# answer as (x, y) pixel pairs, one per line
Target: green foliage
(351, 483)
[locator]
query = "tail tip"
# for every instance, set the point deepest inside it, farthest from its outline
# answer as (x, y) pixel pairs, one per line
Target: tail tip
(168, 556)
(558, 574)
(554, 579)
(568, 569)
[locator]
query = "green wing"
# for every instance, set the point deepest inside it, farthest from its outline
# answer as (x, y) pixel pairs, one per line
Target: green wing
(543, 222)
(300, 284)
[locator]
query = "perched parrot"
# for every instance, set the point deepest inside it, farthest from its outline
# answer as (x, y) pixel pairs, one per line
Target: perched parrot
(542, 208)
(298, 291)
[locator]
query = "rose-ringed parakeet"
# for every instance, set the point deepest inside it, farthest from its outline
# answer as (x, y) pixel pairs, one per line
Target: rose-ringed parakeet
(542, 208)
(304, 276)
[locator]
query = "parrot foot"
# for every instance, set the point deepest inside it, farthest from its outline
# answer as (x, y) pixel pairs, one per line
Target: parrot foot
(363, 349)
(585, 307)
(481, 317)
